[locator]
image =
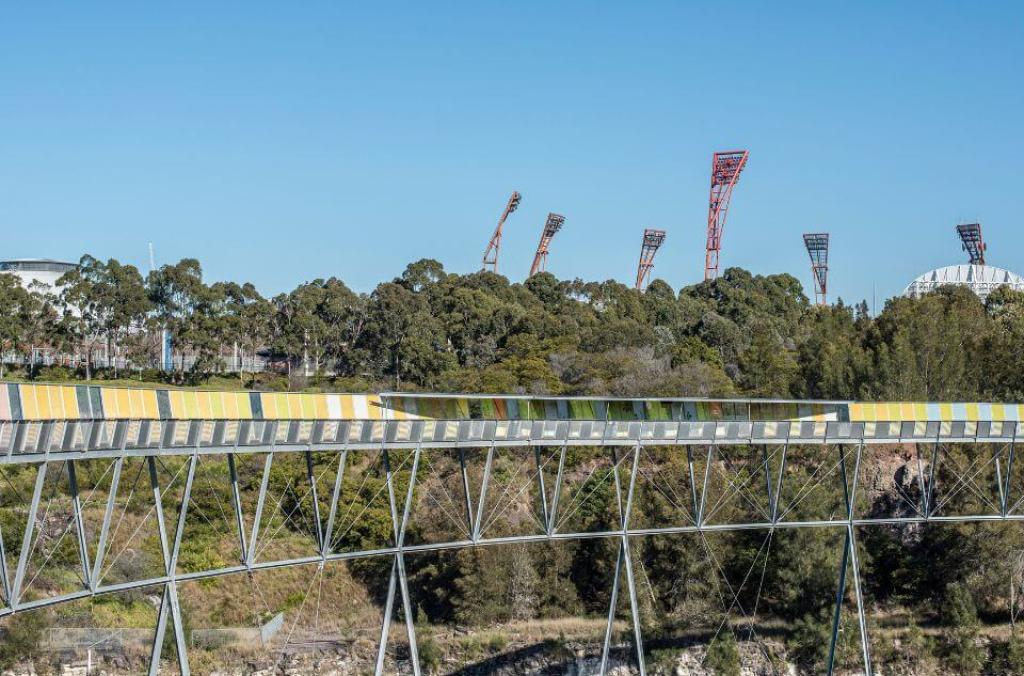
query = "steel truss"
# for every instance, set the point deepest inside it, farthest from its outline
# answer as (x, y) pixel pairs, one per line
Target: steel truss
(705, 454)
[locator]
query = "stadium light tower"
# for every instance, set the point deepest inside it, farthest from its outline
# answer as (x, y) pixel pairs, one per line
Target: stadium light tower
(652, 242)
(540, 259)
(725, 172)
(971, 242)
(817, 249)
(494, 246)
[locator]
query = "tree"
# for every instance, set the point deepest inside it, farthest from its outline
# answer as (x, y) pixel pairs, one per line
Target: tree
(102, 303)
(15, 304)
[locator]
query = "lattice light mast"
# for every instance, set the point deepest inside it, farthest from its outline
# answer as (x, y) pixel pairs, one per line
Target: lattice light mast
(971, 242)
(725, 172)
(494, 246)
(817, 249)
(653, 240)
(540, 259)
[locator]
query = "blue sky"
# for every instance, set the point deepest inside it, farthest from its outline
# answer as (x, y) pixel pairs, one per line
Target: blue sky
(282, 142)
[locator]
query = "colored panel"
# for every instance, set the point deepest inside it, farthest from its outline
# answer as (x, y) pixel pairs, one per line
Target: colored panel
(320, 403)
(256, 404)
(5, 404)
(163, 404)
(29, 408)
(243, 405)
(109, 398)
(177, 403)
(84, 405)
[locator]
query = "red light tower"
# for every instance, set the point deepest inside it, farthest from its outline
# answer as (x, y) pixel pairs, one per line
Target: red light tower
(493, 247)
(972, 243)
(652, 242)
(817, 249)
(725, 172)
(540, 259)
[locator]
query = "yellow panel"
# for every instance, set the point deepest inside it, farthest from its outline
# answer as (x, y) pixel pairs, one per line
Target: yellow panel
(998, 412)
(347, 408)
(244, 407)
(230, 405)
(269, 406)
(321, 407)
(192, 405)
(307, 407)
(373, 404)
(146, 409)
(217, 404)
(109, 403)
(177, 400)
(945, 412)
(906, 411)
(856, 412)
(68, 402)
(29, 409)
(972, 411)
(124, 403)
(920, 412)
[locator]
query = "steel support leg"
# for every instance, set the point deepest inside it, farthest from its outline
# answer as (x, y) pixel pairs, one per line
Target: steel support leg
(236, 502)
(261, 498)
(540, 487)
(400, 526)
(101, 546)
(389, 609)
(465, 490)
(483, 493)
(612, 603)
(837, 616)
(852, 548)
(311, 477)
(76, 506)
(553, 517)
(170, 552)
(5, 580)
(26, 542)
(339, 475)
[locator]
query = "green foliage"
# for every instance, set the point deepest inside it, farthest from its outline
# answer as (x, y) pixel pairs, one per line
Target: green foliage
(964, 653)
(723, 656)
(20, 637)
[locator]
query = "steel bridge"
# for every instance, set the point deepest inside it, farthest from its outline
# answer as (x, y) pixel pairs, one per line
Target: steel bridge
(737, 459)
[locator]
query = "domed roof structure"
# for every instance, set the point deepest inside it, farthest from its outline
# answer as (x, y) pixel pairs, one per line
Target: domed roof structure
(981, 279)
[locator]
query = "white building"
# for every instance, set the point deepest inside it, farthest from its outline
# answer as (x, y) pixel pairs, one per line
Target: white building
(981, 279)
(37, 274)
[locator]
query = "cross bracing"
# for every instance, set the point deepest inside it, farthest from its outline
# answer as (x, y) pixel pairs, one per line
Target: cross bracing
(481, 485)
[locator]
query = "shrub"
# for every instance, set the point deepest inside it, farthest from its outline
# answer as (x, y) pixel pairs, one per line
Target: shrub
(724, 654)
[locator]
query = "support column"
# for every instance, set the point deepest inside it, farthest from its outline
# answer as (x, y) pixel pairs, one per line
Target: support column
(483, 493)
(170, 554)
(236, 503)
(26, 542)
(76, 506)
(553, 517)
(339, 476)
(261, 498)
(311, 477)
(101, 546)
(465, 491)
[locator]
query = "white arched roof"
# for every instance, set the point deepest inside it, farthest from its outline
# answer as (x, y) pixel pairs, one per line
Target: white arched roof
(981, 279)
